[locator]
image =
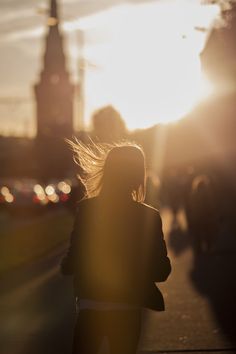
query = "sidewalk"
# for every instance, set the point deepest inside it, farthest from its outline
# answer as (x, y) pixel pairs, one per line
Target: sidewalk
(211, 351)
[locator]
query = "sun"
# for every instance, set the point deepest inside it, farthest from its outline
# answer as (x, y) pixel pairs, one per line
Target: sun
(147, 59)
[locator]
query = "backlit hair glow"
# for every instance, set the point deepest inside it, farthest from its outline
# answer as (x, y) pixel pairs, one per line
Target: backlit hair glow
(111, 169)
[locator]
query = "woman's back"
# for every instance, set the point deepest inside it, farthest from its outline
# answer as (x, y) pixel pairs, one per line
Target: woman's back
(118, 249)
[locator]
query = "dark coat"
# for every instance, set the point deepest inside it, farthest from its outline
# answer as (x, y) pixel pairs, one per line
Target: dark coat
(117, 253)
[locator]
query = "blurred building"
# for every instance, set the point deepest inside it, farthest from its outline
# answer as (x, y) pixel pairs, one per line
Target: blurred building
(54, 94)
(48, 155)
(17, 157)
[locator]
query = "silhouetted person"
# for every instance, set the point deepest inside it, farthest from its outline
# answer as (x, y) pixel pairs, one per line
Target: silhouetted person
(117, 250)
(172, 193)
(202, 214)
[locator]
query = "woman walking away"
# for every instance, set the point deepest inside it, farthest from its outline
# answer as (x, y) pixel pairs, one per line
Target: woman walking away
(117, 250)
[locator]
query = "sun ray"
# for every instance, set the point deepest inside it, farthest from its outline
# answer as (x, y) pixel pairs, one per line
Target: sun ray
(149, 63)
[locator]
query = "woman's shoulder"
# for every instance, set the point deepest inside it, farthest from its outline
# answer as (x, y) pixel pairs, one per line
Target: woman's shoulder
(95, 202)
(150, 216)
(85, 202)
(147, 209)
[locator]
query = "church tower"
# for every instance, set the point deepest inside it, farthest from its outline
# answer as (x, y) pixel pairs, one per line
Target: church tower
(54, 91)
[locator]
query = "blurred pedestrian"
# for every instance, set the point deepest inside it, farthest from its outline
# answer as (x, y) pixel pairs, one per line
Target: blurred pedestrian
(202, 214)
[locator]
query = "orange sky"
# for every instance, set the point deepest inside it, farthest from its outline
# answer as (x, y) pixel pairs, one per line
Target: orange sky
(142, 56)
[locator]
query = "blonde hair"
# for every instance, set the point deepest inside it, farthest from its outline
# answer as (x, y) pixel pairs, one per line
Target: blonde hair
(101, 162)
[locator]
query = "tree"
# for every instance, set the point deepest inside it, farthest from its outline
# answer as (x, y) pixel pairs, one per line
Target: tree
(108, 125)
(219, 55)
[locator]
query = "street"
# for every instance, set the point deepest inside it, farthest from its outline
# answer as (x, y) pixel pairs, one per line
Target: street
(37, 310)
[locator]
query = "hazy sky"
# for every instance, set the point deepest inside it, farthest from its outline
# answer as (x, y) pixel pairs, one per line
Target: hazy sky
(136, 37)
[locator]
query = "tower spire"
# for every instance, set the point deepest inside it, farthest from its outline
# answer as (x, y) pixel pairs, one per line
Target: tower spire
(54, 58)
(54, 91)
(53, 10)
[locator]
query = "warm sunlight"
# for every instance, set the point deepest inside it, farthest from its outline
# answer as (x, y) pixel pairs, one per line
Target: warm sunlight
(147, 60)
(140, 56)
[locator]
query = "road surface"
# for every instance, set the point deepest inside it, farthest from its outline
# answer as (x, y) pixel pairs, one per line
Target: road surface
(37, 309)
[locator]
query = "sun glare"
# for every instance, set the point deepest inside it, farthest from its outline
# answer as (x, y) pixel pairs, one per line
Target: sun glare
(147, 59)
